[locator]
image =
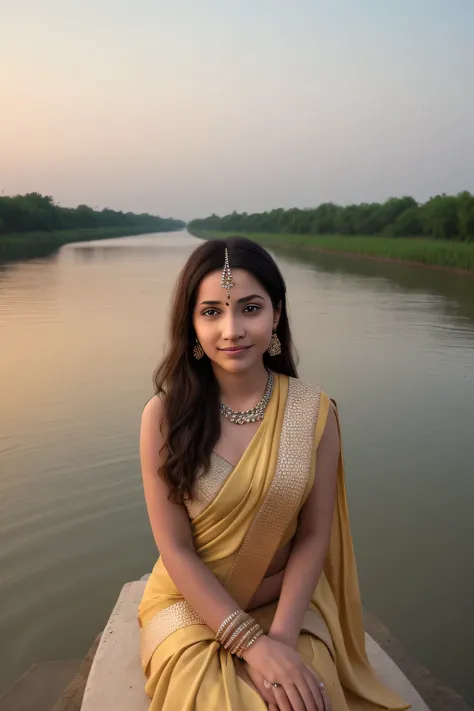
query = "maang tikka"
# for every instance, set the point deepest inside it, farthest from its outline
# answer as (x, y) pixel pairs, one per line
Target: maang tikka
(226, 279)
(227, 284)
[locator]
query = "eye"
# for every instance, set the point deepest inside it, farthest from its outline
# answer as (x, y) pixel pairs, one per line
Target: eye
(210, 312)
(254, 308)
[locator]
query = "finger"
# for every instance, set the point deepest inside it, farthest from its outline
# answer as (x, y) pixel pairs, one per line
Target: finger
(282, 699)
(266, 694)
(308, 694)
(314, 683)
(297, 703)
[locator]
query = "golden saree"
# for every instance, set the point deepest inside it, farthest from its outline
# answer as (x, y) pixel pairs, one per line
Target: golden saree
(240, 518)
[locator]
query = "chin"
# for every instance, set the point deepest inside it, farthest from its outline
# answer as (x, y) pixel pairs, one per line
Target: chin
(237, 365)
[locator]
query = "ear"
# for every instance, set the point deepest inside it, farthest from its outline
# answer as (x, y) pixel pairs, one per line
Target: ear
(276, 315)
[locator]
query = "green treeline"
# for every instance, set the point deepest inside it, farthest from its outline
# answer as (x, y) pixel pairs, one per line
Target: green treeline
(443, 217)
(33, 225)
(38, 213)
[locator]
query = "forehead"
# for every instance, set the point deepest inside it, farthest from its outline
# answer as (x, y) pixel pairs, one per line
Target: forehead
(245, 283)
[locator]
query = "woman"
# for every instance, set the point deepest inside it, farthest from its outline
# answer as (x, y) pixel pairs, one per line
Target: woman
(254, 601)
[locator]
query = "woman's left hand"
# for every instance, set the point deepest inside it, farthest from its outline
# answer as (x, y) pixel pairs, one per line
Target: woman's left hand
(257, 679)
(296, 687)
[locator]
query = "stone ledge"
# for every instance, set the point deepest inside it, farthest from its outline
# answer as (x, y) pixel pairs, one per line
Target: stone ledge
(116, 681)
(71, 698)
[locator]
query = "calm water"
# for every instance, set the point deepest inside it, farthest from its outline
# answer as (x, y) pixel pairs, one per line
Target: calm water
(80, 334)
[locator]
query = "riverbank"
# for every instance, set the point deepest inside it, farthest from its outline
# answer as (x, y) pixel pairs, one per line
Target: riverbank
(433, 254)
(28, 245)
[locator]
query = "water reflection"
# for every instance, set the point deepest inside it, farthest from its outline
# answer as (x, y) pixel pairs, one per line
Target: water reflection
(81, 333)
(124, 248)
(456, 290)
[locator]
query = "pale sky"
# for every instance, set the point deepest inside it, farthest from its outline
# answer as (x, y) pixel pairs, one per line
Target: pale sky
(188, 107)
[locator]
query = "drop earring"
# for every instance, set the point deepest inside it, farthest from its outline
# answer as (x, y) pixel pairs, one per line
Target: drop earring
(274, 348)
(198, 352)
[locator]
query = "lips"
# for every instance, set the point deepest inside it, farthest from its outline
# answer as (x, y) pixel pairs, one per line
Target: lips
(234, 348)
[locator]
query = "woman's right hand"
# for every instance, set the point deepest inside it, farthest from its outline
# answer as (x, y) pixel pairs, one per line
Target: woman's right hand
(277, 662)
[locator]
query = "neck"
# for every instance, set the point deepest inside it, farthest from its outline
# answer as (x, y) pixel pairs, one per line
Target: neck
(241, 391)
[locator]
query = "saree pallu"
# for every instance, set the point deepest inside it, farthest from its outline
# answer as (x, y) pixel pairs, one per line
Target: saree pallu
(241, 516)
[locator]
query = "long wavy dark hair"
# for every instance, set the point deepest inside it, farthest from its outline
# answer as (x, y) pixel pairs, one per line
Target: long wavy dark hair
(187, 386)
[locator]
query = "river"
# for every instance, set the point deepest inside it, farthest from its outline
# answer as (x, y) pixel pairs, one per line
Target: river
(80, 334)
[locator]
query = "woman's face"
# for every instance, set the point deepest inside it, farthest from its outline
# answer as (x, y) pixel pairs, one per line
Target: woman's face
(234, 337)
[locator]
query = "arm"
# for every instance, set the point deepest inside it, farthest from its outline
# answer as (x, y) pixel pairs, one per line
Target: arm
(311, 543)
(172, 530)
(268, 591)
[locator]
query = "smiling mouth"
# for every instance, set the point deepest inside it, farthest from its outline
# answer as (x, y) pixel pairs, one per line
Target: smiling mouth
(235, 348)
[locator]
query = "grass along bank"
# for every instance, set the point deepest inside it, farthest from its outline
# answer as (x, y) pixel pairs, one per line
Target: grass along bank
(438, 254)
(27, 245)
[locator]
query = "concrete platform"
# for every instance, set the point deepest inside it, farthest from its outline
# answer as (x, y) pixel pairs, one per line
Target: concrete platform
(72, 695)
(116, 681)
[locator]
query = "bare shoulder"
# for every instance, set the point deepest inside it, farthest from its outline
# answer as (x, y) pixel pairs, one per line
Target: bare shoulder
(152, 430)
(169, 522)
(153, 415)
(153, 409)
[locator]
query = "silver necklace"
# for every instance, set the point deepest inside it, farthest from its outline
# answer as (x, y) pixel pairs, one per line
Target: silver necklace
(256, 413)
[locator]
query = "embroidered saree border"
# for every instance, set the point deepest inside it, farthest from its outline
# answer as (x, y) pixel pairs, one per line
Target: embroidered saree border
(181, 615)
(164, 623)
(267, 529)
(288, 486)
(208, 485)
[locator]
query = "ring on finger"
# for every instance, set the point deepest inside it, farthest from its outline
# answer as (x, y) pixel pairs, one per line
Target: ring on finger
(270, 684)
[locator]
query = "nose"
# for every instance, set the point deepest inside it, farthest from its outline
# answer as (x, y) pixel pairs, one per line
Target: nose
(232, 326)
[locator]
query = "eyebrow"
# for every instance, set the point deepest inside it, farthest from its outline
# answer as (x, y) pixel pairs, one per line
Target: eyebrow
(242, 300)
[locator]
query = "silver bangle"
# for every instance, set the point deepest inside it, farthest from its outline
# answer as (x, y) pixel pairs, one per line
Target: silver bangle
(231, 627)
(227, 619)
(243, 626)
(256, 636)
(245, 637)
